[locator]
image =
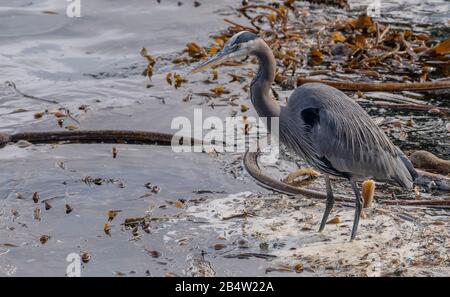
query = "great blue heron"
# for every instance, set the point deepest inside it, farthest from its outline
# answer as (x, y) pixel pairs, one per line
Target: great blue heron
(322, 125)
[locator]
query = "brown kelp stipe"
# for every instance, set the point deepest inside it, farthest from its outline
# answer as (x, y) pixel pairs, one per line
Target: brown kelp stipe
(379, 87)
(99, 136)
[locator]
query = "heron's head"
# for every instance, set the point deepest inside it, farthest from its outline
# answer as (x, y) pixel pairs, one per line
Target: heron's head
(241, 44)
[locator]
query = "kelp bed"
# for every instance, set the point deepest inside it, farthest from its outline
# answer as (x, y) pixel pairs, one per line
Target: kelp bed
(360, 48)
(390, 69)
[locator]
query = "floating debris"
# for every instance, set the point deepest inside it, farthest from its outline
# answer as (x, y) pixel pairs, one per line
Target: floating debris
(8, 245)
(219, 90)
(153, 253)
(89, 180)
(69, 208)
(175, 79)
(35, 197)
(61, 165)
(188, 97)
(83, 107)
(50, 12)
(112, 214)
(215, 74)
(135, 231)
(219, 246)
(309, 173)
(151, 62)
(37, 214)
(179, 204)
(178, 80)
(47, 205)
(195, 51)
(169, 78)
(85, 257)
(12, 85)
(244, 108)
(299, 267)
(153, 188)
(237, 78)
(38, 115)
(71, 127)
(280, 268)
(335, 220)
(59, 114)
(146, 227)
(243, 243)
(250, 255)
(44, 238)
(14, 213)
(107, 229)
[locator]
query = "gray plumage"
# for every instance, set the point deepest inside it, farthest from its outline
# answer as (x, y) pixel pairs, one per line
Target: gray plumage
(322, 125)
(242, 37)
(334, 134)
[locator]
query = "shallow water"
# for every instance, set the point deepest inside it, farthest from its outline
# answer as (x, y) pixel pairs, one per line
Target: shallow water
(94, 60)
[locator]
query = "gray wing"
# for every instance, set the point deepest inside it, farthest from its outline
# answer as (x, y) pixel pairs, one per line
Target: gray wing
(341, 137)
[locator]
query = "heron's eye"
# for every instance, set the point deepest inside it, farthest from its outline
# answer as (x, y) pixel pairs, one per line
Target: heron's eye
(238, 46)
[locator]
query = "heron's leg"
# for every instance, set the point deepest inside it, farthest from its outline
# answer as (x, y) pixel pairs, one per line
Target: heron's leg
(329, 203)
(359, 203)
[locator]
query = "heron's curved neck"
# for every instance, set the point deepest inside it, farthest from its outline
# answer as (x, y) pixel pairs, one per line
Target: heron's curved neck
(261, 84)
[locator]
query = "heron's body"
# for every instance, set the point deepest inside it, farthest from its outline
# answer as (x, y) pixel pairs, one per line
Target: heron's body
(323, 126)
(335, 135)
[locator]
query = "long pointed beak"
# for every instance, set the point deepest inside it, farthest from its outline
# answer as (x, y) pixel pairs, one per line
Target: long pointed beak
(215, 60)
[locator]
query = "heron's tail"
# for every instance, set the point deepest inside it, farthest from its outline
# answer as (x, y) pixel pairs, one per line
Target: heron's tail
(406, 177)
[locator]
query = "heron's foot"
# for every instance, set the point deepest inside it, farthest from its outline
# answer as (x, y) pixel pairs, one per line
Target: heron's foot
(309, 173)
(322, 224)
(325, 218)
(358, 212)
(329, 204)
(354, 231)
(358, 209)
